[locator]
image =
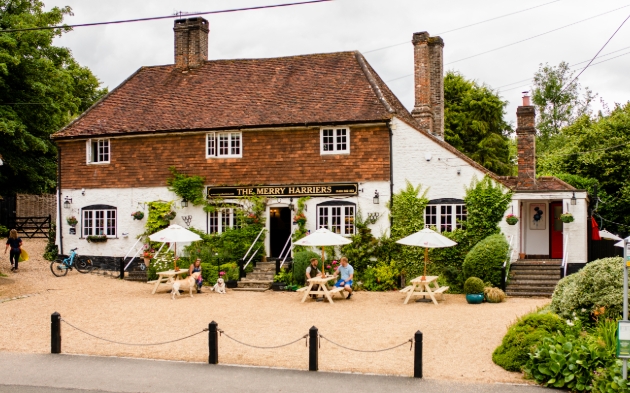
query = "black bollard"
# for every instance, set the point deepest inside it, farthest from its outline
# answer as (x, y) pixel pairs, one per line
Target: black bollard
(417, 355)
(55, 333)
(213, 343)
(313, 349)
(241, 268)
(122, 269)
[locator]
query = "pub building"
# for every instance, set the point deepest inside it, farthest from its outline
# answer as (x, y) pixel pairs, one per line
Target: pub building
(324, 126)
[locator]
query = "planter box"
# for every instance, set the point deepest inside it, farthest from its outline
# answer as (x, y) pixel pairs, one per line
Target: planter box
(231, 284)
(278, 286)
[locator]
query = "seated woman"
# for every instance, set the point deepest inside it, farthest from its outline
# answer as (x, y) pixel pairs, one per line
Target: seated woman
(196, 268)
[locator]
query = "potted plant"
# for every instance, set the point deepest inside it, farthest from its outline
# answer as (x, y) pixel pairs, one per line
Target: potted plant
(138, 215)
(567, 218)
(147, 255)
(473, 288)
(72, 221)
(170, 215)
(299, 219)
(511, 219)
(96, 238)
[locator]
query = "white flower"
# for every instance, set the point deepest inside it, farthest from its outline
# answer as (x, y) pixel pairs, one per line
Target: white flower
(583, 310)
(569, 322)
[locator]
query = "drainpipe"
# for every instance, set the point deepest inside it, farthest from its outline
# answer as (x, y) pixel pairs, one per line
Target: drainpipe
(59, 220)
(391, 176)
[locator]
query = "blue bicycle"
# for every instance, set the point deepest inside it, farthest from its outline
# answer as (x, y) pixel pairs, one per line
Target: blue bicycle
(60, 267)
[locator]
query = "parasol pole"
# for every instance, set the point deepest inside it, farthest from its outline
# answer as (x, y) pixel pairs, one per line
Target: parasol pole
(175, 258)
(323, 256)
(426, 257)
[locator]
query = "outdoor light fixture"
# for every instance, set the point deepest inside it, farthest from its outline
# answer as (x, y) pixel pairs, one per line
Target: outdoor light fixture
(375, 199)
(184, 203)
(83, 191)
(573, 200)
(67, 202)
(291, 206)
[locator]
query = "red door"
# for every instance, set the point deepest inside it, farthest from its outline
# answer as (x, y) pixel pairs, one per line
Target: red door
(556, 230)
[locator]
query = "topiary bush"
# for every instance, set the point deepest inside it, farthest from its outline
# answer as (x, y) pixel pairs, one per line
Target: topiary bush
(486, 259)
(523, 336)
(473, 285)
(599, 284)
(301, 260)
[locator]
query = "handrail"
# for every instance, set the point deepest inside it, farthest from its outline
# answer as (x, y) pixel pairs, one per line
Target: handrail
(505, 269)
(250, 259)
(252, 246)
(510, 251)
(565, 255)
(288, 251)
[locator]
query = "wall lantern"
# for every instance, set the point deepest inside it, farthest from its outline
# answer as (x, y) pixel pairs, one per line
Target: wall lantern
(67, 202)
(573, 200)
(291, 205)
(184, 203)
(375, 199)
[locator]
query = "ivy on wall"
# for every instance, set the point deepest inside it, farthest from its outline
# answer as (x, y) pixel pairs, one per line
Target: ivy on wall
(158, 213)
(301, 231)
(188, 187)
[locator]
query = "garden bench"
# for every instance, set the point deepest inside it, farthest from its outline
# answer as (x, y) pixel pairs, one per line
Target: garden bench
(421, 286)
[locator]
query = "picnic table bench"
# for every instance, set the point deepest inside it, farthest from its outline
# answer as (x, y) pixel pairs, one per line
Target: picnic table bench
(321, 290)
(421, 286)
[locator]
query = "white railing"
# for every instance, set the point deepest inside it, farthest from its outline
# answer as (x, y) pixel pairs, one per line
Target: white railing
(285, 248)
(508, 261)
(252, 246)
(565, 255)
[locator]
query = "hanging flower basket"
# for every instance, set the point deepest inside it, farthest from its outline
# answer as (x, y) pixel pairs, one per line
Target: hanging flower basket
(96, 238)
(511, 219)
(170, 215)
(299, 219)
(138, 215)
(72, 221)
(567, 218)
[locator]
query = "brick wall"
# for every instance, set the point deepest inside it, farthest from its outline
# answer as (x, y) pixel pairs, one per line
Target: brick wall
(526, 146)
(280, 157)
(191, 42)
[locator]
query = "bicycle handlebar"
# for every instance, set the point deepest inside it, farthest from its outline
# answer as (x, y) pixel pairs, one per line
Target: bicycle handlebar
(74, 249)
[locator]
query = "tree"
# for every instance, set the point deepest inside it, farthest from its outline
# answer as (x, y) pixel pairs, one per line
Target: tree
(474, 125)
(42, 88)
(558, 101)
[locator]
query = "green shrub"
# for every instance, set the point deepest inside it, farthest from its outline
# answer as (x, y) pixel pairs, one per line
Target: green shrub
(285, 276)
(382, 277)
(598, 284)
(448, 261)
(231, 270)
(486, 203)
(4, 231)
(51, 252)
(486, 259)
(301, 260)
(610, 379)
(210, 273)
(473, 285)
(523, 337)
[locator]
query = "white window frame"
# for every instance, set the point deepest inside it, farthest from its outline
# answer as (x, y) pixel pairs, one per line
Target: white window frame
(234, 141)
(441, 218)
(222, 219)
(96, 222)
(337, 147)
(339, 219)
(101, 157)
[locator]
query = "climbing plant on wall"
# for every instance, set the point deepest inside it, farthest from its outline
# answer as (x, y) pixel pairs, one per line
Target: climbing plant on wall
(188, 187)
(158, 216)
(300, 219)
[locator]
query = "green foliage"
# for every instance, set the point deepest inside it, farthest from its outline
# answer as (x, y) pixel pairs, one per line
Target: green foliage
(164, 261)
(54, 87)
(51, 251)
(187, 187)
(598, 284)
(301, 260)
(209, 273)
(523, 336)
(448, 261)
(596, 151)
(474, 124)
(610, 379)
(229, 245)
(231, 271)
(364, 248)
(382, 277)
(157, 221)
(301, 230)
(486, 259)
(473, 285)
(285, 276)
(486, 202)
(4, 231)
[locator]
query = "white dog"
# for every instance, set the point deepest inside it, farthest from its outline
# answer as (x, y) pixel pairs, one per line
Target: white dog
(219, 287)
(191, 281)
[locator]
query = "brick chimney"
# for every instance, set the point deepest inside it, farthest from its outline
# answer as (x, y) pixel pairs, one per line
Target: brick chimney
(526, 144)
(429, 83)
(191, 42)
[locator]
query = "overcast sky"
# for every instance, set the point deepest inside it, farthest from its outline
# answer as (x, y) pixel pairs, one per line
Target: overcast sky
(114, 52)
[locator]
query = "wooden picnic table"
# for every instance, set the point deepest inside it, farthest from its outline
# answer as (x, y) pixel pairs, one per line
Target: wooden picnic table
(421, 286)
(322, 290)
(167, 277)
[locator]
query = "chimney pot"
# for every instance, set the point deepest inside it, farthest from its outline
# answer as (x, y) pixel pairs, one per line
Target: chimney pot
(526, 99)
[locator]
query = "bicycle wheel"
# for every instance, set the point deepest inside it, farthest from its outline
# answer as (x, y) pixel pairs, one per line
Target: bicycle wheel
(58, 268)
(83, 264)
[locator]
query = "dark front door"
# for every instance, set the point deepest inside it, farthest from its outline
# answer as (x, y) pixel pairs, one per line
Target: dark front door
(556, 228)
(279, 229)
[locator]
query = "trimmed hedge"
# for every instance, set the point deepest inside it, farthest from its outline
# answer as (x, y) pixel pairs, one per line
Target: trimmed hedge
(486, 259)
(473, 285)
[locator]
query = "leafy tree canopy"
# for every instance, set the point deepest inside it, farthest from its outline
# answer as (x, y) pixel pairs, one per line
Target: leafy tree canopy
(474, 125)
(42, 88)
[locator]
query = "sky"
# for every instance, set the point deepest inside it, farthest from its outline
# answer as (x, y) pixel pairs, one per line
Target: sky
(114, 52)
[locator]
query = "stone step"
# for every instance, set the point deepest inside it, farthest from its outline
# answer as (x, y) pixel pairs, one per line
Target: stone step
(535, 276)
(539, 261)
(521, 281)
(528, 294)
(515, 266)
(260, 275)
(521, 287)
(250, 289)
(250, 283)
(528, 273)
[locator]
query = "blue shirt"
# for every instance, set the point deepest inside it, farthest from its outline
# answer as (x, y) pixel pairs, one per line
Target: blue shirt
(345, 272)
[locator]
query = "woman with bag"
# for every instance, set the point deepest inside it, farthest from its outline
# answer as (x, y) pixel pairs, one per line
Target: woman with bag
(14, 255)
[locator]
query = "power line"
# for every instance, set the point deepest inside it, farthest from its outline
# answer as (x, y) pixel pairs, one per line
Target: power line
(523, 40)
(162, 17)
(464, 27)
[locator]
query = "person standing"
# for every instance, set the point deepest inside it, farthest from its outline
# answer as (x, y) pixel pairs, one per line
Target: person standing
(346, 271)
(15, 243)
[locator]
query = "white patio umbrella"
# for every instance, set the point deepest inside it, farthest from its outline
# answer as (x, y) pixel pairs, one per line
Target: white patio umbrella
(174, 234)
(427, 238)
(604, 234)
(321, 238)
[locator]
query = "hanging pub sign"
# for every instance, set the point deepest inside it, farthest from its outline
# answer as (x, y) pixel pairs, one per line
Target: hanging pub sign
(292, 190)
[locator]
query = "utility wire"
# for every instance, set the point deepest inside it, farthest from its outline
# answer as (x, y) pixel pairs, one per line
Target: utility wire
(162, 17)
(464, 27)
(523, 40)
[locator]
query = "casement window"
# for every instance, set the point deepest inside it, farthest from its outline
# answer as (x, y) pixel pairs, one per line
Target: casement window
(99, 220)
(334, 140)
(224, 144)
(445, 215)
(222, 219)
(337, 217)
(97, 151)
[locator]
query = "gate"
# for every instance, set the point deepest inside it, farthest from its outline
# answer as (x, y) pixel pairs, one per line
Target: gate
(33, 227)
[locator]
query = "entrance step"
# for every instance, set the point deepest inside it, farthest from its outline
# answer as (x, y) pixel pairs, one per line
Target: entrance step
(250, 289)
(533, 277)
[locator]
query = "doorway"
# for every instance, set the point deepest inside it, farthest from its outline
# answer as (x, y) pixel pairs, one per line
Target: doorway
(279, 229)
(556, 230)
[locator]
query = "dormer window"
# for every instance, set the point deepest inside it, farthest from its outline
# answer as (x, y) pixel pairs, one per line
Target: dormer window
(97, 151)
(334, 140)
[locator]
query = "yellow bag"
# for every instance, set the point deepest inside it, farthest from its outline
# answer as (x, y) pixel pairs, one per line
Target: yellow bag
(23, 256)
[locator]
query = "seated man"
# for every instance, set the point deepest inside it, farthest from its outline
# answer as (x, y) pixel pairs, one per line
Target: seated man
(346, 272)
(313, 271)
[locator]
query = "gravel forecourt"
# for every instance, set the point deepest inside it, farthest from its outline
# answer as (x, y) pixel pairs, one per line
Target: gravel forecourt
(458, 338)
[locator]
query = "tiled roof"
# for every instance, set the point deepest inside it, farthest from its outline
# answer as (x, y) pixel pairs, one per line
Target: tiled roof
(543, 183)
(248, 93)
